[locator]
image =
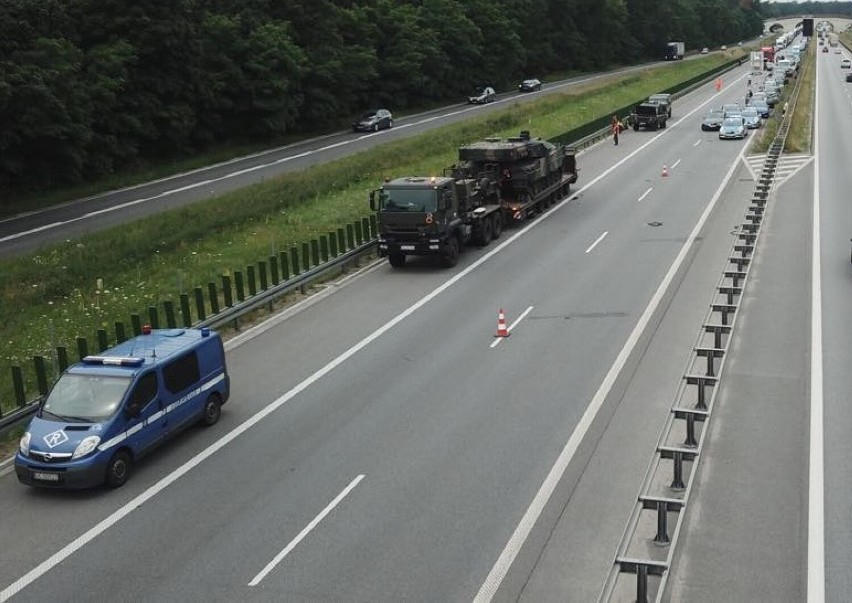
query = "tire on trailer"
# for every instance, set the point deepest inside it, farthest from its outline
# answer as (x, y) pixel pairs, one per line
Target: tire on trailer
(485, 233)
(397, 260)
(118, 469)
(497, 225)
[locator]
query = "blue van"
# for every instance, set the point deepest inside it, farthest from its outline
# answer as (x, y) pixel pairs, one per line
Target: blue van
(107, 411)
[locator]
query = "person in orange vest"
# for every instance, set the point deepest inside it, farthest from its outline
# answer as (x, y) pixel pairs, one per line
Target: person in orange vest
(718, 84)
(616, 128)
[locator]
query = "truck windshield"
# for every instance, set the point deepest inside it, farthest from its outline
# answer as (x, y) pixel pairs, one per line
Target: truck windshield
(646, 110)
(411, 200)
(86, 398)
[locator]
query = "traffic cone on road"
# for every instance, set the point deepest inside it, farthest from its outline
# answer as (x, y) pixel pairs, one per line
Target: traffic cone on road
(665, 172)
(502, 331)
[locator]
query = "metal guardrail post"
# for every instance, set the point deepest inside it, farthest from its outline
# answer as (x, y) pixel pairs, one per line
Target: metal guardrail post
(184, 310)
(153, 317)
(295, 264)
(285, 266)
(252, 282)
(350, 237)
(136, 324)
(240, 287)
(315, 253)
(273, 270)
(103, 342)
(227, 291)
(41, 374)
(332, 244)
(120, 333)
(306, 256)
(214, 298)
(199, 303)
(169, 308)
(62, 358)
(341, 240)
(18, 386)
(82, 347)
(323, 250)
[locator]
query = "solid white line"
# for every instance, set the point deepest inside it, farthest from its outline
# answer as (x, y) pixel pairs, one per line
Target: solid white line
(696, 143)
(645, 194)
(816, 460)
(675, 164)
(7, 461)
(598, 240)
(6, 471)
(497, 341)
(522, 532)
(314, 523)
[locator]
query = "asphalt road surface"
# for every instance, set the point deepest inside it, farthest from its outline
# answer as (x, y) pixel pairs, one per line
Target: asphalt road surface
(381, 445)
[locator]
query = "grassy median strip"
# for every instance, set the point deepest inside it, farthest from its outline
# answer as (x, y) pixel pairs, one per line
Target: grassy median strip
(74, 289)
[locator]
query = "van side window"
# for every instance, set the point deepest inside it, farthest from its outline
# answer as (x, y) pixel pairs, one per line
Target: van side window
(181, 373)
(144, 392)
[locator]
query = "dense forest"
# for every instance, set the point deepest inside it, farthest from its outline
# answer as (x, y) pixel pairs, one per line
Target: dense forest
(88, 87)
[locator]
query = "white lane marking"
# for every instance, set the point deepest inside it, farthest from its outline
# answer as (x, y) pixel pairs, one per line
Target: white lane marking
(120, 513)
(6, 471)
(645, 194)
(816, 460)
(497, 341)
(307, 530)
(696, 143)
(598, 240)
(522, 532)
(675, 164)
(7, 461)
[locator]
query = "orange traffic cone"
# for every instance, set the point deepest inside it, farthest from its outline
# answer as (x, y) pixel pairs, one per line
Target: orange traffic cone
(502, 331)
(665, 172)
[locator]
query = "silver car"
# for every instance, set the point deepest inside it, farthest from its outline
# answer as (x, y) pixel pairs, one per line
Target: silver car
(752, 118)
(733, 127)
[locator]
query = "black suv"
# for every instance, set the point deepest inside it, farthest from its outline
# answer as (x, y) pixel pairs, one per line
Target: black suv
(649, 115)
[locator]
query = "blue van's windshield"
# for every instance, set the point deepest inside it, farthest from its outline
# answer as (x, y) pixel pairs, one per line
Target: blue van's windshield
(85, 398)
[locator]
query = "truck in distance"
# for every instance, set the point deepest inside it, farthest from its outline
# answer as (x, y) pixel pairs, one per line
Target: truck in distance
(495, 182)
(649, 115)
(674, 51)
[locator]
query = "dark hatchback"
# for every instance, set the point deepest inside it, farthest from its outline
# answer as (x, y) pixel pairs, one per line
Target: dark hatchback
(373, 121)
(713, 120)
(530, 85)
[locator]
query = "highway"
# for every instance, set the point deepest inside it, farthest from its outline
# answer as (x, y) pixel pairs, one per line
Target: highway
(381, 445)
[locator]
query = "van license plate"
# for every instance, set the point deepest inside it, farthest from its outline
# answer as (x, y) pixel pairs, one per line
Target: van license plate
(407, 247)
(46, 477)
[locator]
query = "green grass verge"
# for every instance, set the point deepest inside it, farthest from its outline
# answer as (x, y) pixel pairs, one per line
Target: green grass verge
(74, 289)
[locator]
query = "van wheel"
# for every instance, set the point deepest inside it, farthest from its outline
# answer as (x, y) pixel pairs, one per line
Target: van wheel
(118, 469)
(212, 410)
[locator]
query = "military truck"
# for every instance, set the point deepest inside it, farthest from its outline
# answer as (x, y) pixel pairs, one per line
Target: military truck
(648, 115)
(496, 182)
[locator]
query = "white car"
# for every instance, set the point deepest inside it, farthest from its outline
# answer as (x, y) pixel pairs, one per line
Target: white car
(845, 64)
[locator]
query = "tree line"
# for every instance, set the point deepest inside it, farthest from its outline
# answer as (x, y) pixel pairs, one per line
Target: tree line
(89, 87)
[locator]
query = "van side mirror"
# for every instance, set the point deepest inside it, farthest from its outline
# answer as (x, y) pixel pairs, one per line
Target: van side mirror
(377, 199)
(445, 202)
(132, 410)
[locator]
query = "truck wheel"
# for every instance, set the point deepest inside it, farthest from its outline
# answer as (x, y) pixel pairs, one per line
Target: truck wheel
(450, 255)
(397, 260)
(212, 410)
(654, 127)
(497, 226)
(636, 128)
(663, 124)
(485, 233)
(118, 469)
